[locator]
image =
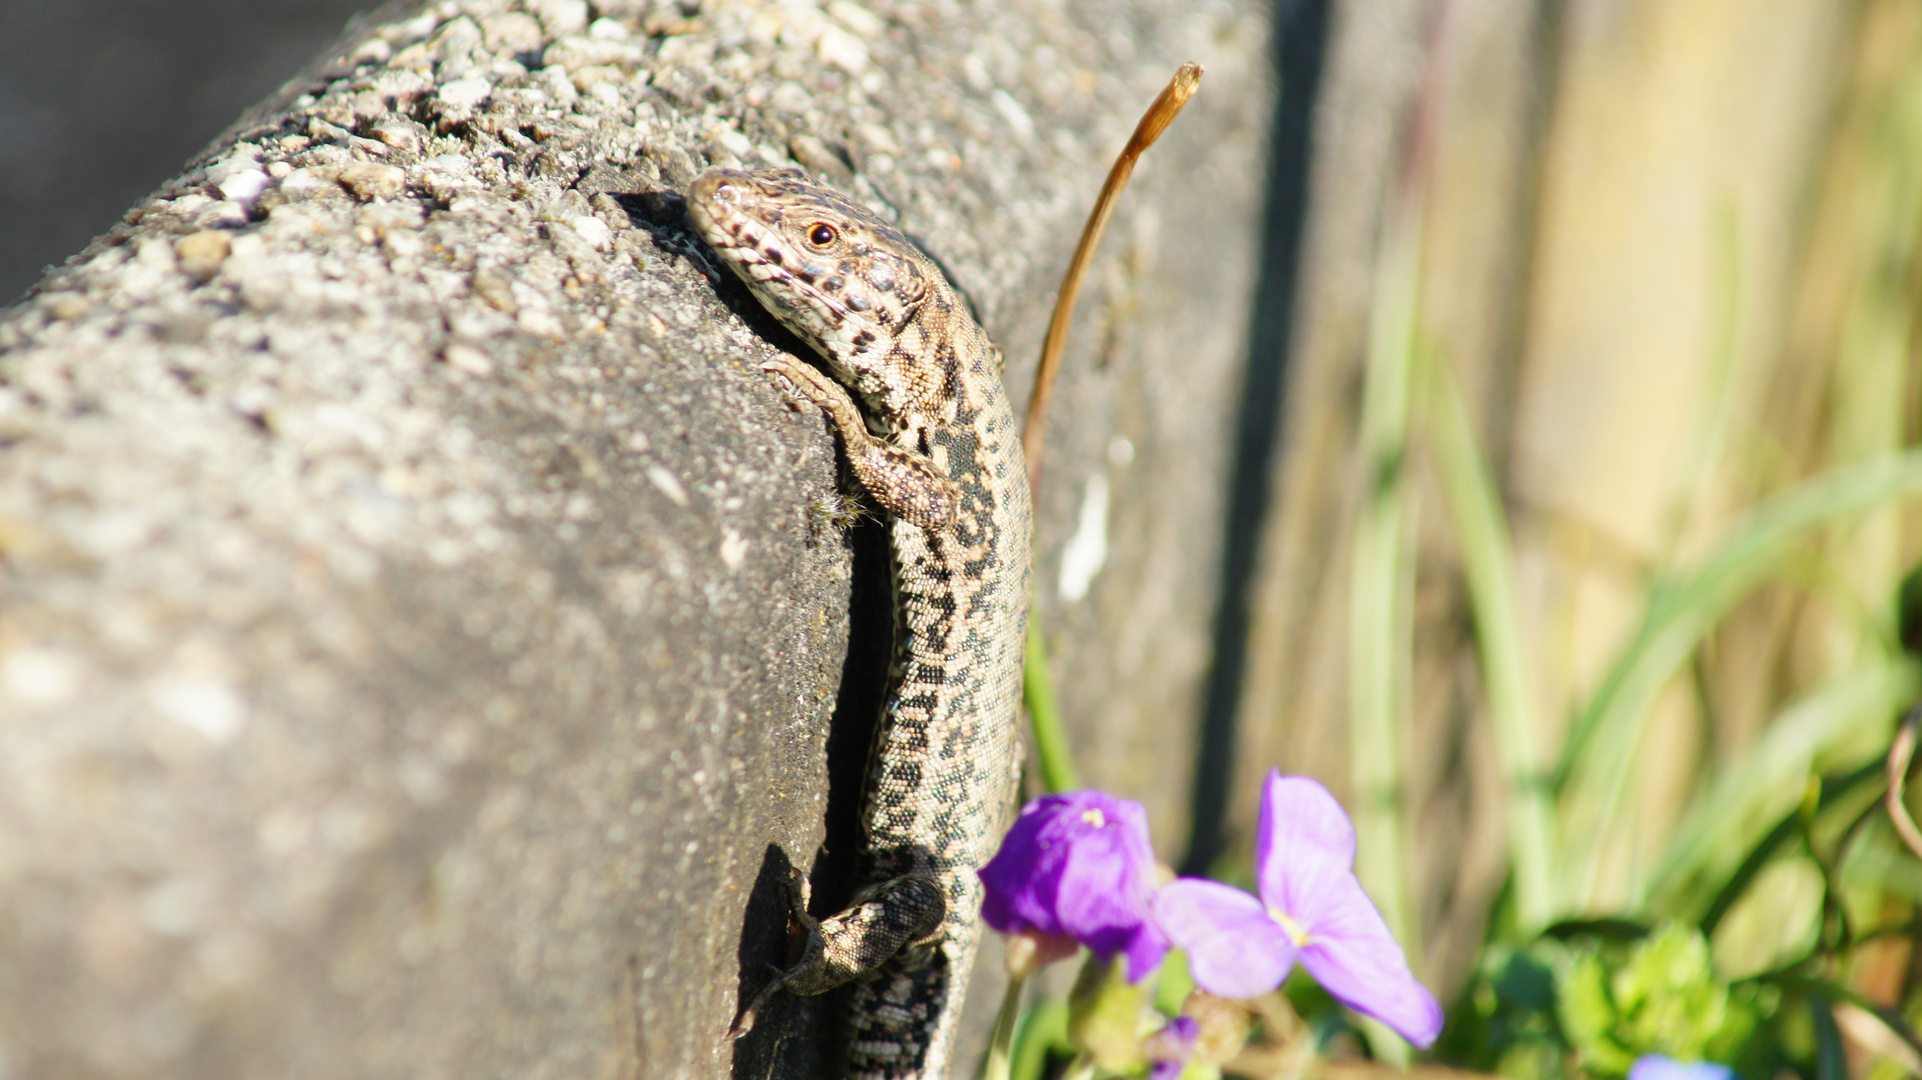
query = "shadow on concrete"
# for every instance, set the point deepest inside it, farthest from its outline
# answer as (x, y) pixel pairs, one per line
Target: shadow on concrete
(1299, 44)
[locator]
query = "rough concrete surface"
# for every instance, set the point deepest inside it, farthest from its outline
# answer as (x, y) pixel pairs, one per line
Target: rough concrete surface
(421, 622)
(100, 100)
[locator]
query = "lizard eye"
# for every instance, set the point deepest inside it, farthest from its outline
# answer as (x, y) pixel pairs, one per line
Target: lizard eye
(821, 235)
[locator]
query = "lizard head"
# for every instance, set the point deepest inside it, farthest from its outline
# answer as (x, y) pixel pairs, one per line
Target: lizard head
(834, 272)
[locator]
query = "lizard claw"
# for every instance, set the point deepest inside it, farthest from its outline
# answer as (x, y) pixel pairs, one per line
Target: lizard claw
(745, 1023)
(788, 390)
(798, 888)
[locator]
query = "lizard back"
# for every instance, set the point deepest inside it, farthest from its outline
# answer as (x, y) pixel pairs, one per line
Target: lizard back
(941, 776)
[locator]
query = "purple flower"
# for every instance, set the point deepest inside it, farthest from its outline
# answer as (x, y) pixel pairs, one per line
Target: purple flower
(1079, 865)
(1657, 1067)
(1311, 909)
(1170, 1048)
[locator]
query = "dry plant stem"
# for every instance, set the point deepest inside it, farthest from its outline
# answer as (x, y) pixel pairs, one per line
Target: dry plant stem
(1899, 757)
(1166, 107)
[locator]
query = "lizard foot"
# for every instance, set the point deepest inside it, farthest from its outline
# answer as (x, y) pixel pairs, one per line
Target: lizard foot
(906, 483)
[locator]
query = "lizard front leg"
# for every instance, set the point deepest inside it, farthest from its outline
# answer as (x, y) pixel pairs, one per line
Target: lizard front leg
(906, 484)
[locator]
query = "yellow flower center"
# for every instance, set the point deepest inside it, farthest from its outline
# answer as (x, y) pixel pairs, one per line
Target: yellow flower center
(1094, 817)
(1291, 926)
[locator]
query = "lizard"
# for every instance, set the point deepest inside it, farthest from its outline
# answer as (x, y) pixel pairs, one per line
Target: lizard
(913, 388)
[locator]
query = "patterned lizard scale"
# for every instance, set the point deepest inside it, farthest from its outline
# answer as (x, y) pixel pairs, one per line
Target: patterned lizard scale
(948, 467)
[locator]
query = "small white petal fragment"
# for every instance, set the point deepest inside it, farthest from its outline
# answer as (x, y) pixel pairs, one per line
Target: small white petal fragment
(208, 707)
(669, 484)
(733, 550)
(1087, 550)
(1011, 111)
(469, 359)
(541, 323)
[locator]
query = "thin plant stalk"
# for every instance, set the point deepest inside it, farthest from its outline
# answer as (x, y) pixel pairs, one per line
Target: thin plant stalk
(1381, 584)
(1001, 1048)
(1044, 717)
(1381, 633)
(1488, 564)
(1044, 714)
(1900, 754)
(1167, 105)
(1715, 406)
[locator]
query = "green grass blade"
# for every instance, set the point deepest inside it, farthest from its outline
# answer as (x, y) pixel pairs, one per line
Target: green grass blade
(1381, 587)
(1595, 766)
(1488, 563)
(1848, 717)
(1833, 789)
(1041, 1029)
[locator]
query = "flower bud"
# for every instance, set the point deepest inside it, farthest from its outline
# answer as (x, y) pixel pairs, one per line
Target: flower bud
(1222, 1026)
(1029, 951)
(1105, 1015)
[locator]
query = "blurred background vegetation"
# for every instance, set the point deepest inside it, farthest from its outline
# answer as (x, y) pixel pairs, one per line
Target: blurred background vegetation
(1596, 504)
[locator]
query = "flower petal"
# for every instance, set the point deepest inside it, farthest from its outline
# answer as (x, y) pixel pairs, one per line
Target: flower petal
(1019, 882)
(1234, 949)
(1351, 953)
(1170, 1048)
(1106, 889)
(1304, 845)
(1145, 950)
(1658, 1067)
(1078, 864)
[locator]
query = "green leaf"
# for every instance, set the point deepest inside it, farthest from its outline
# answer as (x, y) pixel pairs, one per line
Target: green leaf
(1659, 996)
(1737, 809)
(1488, 564)
(1597, 762)
(1832, 788)
(1589, 1016)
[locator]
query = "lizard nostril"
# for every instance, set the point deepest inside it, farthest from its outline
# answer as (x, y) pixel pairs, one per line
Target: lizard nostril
(713, 187)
